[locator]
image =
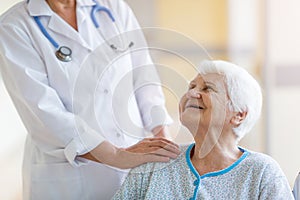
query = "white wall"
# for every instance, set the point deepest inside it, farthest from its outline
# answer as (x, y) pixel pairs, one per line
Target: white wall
(243, 49)
(282, 76)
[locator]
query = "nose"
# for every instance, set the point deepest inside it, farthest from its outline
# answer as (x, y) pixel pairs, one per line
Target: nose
(193, 93)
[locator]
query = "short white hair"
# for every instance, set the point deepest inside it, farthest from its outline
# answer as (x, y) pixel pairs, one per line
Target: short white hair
(244, 92)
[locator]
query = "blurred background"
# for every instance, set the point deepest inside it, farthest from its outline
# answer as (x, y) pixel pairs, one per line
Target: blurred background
(260, 35)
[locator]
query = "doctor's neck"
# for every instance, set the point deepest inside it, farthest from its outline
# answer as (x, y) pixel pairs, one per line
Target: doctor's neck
(61, 4)
(66, 9)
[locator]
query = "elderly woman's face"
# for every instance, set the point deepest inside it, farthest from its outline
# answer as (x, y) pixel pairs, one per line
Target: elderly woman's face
(204, 106)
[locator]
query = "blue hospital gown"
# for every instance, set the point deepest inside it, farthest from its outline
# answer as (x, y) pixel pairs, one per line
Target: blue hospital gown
(253, 176)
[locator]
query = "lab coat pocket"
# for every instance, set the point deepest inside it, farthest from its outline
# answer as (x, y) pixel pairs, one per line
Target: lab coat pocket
(56, 181)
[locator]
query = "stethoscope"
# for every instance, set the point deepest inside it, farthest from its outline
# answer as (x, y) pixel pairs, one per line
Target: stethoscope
(64, 53)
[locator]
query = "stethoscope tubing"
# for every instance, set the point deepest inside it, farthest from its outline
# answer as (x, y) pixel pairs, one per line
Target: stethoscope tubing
(46, 34)
(68, 57)
(97, 8)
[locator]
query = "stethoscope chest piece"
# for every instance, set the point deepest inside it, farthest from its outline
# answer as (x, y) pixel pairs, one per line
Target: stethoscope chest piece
(64, 54)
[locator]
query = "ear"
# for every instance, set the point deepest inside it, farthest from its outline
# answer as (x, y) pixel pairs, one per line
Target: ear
(238, 118)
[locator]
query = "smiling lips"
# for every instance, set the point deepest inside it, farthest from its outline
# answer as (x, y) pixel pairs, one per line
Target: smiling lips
(196, 106)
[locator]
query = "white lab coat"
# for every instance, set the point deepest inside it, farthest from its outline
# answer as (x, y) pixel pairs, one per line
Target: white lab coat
(70, 108)
(296, 189)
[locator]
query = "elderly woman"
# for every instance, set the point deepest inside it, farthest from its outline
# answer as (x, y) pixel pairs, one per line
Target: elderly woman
(221, 105)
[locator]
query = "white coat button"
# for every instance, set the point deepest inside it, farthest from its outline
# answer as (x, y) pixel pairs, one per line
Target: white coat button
(118, 135)
(105, 91)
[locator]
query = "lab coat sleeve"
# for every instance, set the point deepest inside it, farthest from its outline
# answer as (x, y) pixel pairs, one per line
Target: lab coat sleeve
(296, 189)
(147, 84)
(55, 130)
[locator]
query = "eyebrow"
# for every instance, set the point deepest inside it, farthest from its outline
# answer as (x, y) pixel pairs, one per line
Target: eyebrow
(209, 83)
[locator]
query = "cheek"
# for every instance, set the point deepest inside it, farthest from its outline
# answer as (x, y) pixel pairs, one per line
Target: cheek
(182, 103)
(206, 98)
(217, 103)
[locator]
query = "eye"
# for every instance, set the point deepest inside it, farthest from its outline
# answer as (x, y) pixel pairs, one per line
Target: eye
(208, 89)
(191, 86)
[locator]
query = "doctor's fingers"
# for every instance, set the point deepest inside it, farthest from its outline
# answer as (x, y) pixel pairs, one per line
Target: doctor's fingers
(161, 152)
(161, 139)
(153, 154)
(149, 145)
(171, 147)
(129, 159)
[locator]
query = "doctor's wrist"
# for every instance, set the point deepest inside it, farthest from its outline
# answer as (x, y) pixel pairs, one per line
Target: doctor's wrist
(89, 156)
(111, 155)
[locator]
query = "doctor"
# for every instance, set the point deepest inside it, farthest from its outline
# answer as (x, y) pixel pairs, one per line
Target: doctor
(56, 62)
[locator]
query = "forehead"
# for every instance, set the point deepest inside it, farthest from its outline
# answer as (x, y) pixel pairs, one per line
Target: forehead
(213, 78)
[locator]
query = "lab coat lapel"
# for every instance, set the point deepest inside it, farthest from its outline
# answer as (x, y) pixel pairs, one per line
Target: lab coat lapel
(59, 26)
(38, 8)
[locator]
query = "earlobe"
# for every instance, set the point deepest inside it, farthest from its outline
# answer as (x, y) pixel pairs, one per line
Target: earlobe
(238, 118)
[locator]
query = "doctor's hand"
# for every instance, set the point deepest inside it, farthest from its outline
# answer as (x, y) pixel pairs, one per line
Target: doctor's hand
(147, 150)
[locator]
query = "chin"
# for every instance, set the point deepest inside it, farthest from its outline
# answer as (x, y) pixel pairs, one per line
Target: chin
(193, 129)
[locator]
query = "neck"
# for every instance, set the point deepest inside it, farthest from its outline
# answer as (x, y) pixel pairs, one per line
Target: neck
(61, 4)
(66, 9)
(211, 154)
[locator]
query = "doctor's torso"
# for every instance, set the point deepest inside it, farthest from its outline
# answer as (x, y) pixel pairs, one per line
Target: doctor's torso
(97, 85)
(91, 83)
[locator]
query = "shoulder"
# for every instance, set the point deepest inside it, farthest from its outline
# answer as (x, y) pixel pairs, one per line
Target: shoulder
(16, 20)
(272, 181)
(260, 159)
(152, 167)
(15, 26)
(14, 14)
(263, 163)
